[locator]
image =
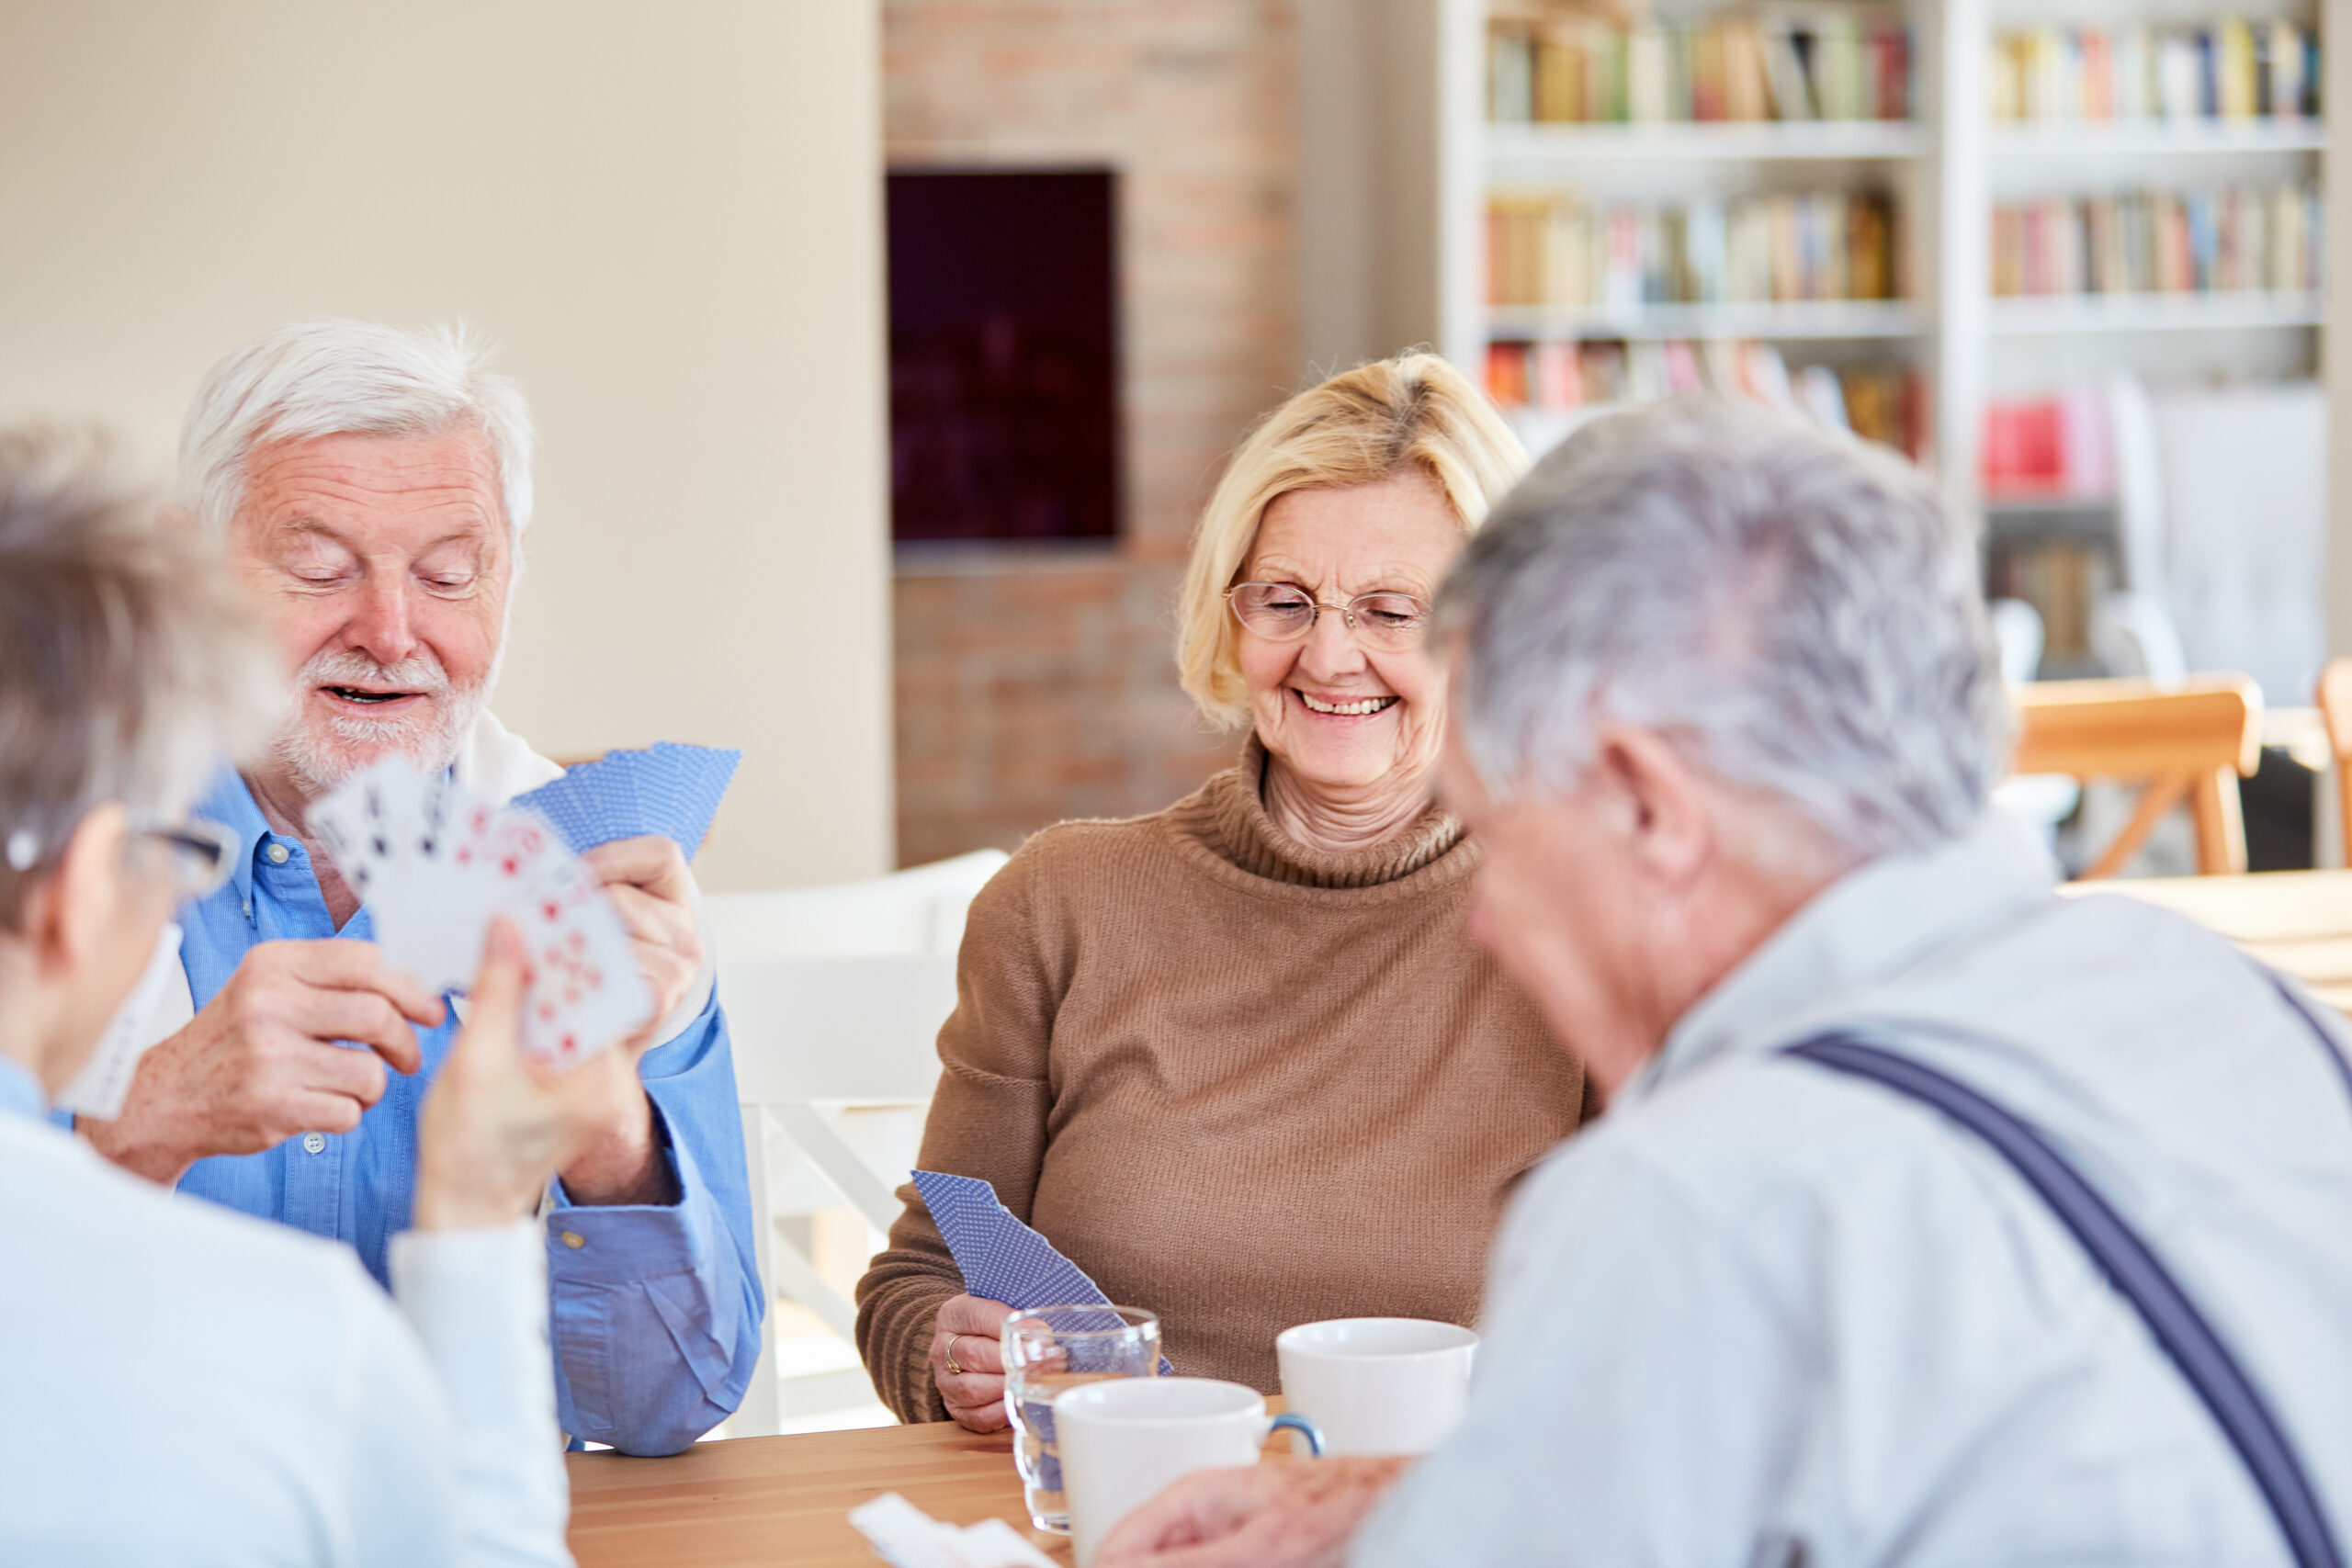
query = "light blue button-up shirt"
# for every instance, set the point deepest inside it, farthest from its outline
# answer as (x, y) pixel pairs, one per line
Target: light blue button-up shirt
(655, 1311)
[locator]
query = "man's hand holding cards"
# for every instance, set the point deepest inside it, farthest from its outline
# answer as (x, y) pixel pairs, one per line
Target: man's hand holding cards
(436, 866)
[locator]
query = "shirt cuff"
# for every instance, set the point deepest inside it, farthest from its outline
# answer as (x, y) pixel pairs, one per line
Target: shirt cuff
(626, 1244)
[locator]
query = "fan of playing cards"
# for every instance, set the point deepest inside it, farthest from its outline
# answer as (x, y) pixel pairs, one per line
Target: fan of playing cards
(435, 866)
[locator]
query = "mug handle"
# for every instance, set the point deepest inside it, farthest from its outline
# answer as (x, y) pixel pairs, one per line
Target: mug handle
(1303, 1427)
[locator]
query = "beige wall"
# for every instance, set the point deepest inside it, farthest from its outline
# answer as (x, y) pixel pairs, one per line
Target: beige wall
(669, 215)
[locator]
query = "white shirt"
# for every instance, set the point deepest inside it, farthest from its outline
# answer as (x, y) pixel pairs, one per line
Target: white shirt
(181, 1385)
(1763, 1313)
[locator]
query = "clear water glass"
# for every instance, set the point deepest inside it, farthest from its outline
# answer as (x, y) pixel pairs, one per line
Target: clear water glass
(1056, 1348)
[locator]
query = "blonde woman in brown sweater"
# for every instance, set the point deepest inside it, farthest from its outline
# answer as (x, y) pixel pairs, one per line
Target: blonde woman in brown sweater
(1239, 1059)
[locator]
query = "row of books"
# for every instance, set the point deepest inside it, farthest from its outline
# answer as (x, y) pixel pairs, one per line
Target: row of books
(2048, 447)
(2232, 70)
(1883, 403)
(1549, 248)
(2161, 242)
(1746, 67)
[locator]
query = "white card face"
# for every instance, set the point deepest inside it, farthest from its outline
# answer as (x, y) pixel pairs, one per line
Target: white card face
(435, 867)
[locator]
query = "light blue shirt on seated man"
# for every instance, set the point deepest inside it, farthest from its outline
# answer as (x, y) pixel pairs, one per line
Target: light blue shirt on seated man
(655, 1310)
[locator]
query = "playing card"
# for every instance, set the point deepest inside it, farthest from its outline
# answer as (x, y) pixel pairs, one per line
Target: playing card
(670, 789)
(435, 866)
(1001, 1258)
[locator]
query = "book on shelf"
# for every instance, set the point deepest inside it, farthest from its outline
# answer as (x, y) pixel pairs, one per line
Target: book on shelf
(2233, 240)
(1552, 248)
(1886, 403)
(2231, 69)
(2062, 578)
(2053, 447)
(1766, 64)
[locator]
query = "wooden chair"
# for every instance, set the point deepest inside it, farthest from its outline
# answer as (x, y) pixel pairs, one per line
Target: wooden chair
(2334, 698)
(2188, 743)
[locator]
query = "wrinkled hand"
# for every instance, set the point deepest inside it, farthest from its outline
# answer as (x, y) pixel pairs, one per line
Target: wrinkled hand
(975, 1396)
(260, 1064)
(1282, 1513)
(498, 1125)
(647, 881)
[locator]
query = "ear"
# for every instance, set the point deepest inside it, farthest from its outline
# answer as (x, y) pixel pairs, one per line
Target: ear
(67, 920)
(1663, 807)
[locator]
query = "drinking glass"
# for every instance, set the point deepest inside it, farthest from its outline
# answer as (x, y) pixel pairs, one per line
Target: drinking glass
(1053, 1348)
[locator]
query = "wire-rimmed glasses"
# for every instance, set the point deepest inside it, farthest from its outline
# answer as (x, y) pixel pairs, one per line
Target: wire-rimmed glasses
(1283, 611)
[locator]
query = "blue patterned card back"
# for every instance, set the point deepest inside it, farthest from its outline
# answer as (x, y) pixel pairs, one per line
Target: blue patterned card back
(1002, 1259)
(670, 789)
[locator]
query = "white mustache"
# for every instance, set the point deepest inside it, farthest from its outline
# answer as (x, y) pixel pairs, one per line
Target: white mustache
(420, 672)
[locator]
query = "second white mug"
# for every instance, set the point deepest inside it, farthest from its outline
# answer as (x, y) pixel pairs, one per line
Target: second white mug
(1378, 1386)
(1124, 1440)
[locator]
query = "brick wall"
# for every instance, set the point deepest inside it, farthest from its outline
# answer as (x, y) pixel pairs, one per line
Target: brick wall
(1034, 687)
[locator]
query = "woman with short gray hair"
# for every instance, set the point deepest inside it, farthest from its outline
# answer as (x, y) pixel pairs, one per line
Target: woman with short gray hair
(183, 1384)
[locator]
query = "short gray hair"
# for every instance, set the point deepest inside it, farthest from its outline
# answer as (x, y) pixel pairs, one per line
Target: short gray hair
(130, 667)
(1797, 610)
(348, 378)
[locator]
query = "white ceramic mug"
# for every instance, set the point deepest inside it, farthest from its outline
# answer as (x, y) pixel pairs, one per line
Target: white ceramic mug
(1125, 1440)
(1378, 1386)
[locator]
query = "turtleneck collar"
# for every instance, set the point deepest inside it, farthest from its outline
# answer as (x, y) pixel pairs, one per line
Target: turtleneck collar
(1229, 815)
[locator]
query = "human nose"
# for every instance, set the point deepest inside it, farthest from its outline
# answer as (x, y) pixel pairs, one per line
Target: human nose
(385, 626)
(1331, 647)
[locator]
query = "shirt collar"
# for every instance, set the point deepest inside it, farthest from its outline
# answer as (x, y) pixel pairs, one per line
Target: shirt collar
(230, 803)
(1867, 926)
(20, 1092)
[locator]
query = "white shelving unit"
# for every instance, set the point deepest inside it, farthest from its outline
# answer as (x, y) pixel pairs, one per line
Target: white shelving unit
(1947, 168)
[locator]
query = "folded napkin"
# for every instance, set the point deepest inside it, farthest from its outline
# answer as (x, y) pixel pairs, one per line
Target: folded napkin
(670, 789)
(1002, 1259)
(906, 1536)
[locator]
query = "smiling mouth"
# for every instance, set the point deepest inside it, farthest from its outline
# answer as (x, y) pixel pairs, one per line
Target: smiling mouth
(366, 698)
(1361, 708)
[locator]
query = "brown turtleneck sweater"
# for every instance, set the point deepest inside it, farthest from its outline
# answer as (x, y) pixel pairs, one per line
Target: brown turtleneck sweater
(1241, 1082)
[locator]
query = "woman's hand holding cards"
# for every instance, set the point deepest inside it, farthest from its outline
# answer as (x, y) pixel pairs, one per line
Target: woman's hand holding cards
(974, 1389)
(498, 1125)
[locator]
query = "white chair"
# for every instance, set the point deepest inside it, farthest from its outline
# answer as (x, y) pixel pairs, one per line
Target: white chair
(835, 998)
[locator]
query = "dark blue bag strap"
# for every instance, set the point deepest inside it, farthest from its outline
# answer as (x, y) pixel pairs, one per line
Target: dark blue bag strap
(2131, 1267)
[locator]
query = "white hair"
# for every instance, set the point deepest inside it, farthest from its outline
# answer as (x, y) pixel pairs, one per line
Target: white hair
(349, 378)
(1798, 612)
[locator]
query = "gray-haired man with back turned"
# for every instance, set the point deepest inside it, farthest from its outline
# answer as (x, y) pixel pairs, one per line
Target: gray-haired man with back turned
(1935, 1219)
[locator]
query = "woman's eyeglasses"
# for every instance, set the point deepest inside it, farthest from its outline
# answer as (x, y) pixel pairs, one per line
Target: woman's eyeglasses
(1283, 611)
(203, 853)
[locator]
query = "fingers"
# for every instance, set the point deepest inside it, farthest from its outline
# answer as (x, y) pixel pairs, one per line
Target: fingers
(363, 1018)
(494, 1021)
(651, 861)
(973, 1314)
(1196, 1523)
(985, 1419)
(338, 964)
(975, 1352)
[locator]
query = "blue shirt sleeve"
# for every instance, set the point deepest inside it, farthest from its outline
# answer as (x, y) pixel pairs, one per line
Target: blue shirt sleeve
(656, 1308)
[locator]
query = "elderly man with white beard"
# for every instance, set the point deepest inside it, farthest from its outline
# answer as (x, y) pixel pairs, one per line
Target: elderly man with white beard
(1935, 1219)
(372, 487)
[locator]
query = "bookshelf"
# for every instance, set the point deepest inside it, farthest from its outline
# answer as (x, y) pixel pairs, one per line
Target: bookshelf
(2191, 118)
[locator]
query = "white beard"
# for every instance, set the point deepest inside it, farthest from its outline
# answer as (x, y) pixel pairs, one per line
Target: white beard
(321, 754)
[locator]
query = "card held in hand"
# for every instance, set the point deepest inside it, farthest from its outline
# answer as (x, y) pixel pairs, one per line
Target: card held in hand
(1002, 1259)
(669, 789)
(435, 866)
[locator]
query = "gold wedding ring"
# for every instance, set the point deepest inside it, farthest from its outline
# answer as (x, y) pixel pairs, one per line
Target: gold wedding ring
(951, 1355)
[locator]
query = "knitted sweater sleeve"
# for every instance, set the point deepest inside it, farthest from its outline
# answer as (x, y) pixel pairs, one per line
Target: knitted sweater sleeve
(988, 1119)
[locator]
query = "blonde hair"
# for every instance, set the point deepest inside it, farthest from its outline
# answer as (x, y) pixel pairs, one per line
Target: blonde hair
(1360, 427)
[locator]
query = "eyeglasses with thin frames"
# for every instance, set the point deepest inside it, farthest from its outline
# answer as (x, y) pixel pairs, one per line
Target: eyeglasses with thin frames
(1283, 611)
(203, 854)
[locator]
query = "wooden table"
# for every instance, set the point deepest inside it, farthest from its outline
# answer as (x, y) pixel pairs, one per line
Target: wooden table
(2297, 922)
(775, 1501)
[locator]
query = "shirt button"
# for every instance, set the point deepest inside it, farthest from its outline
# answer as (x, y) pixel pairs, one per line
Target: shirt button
(575, 1240)
(277, 853)
(313, 1141)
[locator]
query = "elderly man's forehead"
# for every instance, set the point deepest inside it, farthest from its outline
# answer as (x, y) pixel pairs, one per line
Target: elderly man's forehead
(452, 475)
